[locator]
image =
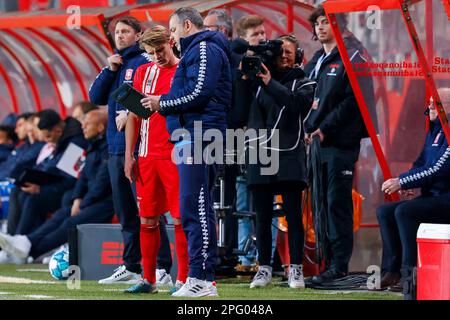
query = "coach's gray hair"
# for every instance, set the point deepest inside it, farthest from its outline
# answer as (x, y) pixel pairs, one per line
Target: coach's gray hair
(223, 19)
(186, 13)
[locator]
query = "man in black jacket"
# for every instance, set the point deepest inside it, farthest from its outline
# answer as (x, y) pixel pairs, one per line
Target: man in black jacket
(92, 199)
(336, 120)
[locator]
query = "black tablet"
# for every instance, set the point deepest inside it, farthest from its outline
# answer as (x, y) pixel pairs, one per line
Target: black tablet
(130, 98)
(37, 177)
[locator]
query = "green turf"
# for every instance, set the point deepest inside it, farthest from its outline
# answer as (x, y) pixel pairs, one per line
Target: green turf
(229, 289)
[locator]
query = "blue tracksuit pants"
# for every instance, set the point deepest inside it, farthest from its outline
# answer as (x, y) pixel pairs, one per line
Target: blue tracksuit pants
(197, 214)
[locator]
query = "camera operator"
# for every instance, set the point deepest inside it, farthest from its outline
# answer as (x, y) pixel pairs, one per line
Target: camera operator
(278, 99)
(251, 31)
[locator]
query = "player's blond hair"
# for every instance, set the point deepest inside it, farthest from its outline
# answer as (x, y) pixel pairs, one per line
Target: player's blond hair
(155, 36)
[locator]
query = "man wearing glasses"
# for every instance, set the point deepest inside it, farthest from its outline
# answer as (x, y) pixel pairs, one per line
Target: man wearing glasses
(219, 20)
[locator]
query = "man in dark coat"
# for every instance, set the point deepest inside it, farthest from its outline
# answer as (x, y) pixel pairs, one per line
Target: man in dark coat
(336, 121)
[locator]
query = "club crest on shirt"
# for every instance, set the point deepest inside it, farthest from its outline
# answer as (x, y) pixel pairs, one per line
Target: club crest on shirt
(333, 68)
(436, 140)
(129, 74)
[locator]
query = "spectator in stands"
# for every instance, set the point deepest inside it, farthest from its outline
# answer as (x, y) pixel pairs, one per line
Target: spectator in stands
(33, 202)
(92, 200)
(122, 66)
(8, 140)
(81, 108)
(25, 155)
(400, 220)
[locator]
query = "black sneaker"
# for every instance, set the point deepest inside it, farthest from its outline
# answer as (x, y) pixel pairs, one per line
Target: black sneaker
(328, 276)
(397, 287)
(388, 280)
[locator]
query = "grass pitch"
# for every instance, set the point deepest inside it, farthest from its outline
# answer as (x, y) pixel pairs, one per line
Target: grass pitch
(31, 282)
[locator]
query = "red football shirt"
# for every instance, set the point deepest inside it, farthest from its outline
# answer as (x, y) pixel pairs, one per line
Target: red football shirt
(154, 80)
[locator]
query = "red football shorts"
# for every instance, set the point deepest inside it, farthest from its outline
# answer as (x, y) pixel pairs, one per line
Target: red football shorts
(157, 188)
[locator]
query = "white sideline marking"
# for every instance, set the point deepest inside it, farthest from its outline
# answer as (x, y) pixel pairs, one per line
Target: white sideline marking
(112, 290)
(29, 296)
(37, 296)
(121, 290)
(24, 281)
(32, 270)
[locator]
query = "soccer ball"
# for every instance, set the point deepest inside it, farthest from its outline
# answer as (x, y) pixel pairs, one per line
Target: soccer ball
(59, 265)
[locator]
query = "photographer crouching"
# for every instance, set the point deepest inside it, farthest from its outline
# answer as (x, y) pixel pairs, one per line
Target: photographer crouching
(275, 95)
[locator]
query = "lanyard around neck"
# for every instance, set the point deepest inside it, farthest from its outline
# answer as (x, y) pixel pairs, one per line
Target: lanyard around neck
(319, 64)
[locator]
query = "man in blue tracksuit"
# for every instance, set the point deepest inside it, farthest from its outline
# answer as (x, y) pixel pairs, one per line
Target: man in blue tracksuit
(122, 65)
(200, 95)
(400, 220)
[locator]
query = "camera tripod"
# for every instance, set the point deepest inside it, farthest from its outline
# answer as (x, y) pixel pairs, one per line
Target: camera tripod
(229, 255)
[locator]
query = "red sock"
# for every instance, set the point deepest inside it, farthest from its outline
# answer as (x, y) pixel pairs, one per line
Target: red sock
(150, 238)
(181, 247)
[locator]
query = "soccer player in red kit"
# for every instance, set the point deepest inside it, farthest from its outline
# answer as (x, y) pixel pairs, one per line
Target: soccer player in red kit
(156, 176)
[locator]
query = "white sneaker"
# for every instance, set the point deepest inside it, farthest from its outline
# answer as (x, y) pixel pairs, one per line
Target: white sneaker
(48, 256)
(263, 277)
(18, 245)
(46, 260)
(295, 279)
(212, 285)
(6, 258)
(163, 278)
(177, 286)
(193, 288)
(121, 276)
